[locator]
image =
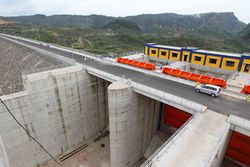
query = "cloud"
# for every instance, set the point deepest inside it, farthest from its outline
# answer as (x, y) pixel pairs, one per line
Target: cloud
(123, 7)
(15, 7)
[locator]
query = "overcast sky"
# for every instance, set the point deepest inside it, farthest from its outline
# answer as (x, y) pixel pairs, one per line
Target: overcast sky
(124, 7)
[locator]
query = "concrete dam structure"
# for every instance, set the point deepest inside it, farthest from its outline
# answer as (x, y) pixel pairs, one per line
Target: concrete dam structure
(150, 120)
(62, 109)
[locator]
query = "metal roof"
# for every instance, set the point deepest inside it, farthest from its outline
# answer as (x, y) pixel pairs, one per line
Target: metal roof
(219, 53)
(168, 47)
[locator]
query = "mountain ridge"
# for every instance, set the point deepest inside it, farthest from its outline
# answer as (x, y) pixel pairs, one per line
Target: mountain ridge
(149, 23)
(103, 34)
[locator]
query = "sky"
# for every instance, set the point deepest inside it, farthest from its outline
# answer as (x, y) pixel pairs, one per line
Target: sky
(124, 7)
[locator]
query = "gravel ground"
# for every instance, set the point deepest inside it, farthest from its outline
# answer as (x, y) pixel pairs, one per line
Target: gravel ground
(16, 60)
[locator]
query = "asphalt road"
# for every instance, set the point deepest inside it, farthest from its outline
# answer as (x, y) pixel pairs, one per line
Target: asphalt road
(222, 104)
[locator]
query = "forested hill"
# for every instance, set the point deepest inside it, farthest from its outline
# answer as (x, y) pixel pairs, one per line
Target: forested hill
(151, 23)
(107, 35)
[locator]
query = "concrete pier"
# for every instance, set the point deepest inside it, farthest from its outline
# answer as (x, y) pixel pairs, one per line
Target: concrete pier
(133, 122)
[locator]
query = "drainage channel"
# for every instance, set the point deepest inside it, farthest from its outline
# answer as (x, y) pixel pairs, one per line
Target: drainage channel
(73, 152)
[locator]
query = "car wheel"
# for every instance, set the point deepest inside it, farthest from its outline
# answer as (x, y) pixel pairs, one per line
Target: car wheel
(213, 95)
(198, 90)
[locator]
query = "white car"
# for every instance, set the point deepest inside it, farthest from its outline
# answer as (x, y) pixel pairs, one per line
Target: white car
(209, 89)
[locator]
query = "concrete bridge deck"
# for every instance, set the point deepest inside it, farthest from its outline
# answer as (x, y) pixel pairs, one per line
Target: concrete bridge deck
(199, 143)
(222, 104)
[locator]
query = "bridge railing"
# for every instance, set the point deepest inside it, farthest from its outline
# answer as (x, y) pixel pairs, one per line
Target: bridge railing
(100, 58)
(153, 93)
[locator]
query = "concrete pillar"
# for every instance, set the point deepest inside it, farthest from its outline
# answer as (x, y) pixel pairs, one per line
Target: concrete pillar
(133, 122)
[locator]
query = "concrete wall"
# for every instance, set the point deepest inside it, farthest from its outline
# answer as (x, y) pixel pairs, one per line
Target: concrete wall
(218, 158)
(4, 162)
(133, 122)
(61, 109)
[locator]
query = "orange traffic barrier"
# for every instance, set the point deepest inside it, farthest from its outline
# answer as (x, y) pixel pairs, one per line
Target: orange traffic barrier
(185, 74)
(218, 81)
(195, 77)
(135, 63)
(176, 72)
(246, 89)
(205, 79)
(167, 70)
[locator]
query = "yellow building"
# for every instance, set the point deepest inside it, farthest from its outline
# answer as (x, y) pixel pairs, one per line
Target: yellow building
(213, 59)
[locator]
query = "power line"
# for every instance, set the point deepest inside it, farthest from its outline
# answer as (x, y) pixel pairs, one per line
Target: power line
(28, 133)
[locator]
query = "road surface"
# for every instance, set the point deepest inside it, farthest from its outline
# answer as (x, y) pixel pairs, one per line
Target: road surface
(222, 104)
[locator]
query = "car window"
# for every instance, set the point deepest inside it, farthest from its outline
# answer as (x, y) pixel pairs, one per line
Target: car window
(211, 88)
(203, 86)
(207, 87)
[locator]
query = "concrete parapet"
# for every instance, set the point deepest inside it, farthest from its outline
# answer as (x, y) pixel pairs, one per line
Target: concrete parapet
(239, 124)
(167, 98)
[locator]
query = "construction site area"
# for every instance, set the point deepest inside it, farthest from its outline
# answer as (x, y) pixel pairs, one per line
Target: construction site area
(66, 107)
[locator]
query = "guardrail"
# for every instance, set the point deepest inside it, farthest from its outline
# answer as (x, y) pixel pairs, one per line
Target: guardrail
(57, 56)
(66, 49)
(100, 59)
(112, 61)
(153, 93)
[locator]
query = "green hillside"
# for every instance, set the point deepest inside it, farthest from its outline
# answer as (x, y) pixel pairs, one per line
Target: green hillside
(110, 35)
(245, 34)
